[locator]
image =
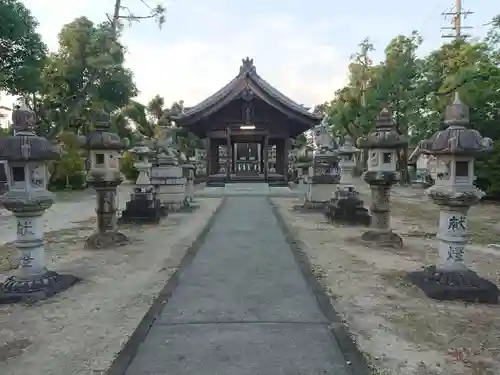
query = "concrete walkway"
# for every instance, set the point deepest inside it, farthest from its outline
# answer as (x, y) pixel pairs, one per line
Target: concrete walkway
(241, 308)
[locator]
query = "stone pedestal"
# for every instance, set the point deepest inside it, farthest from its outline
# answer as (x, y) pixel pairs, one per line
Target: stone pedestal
(380, 231)
(107, 234)
(144, 206)
(346, 206)
(169, 182)
(188, 173)
(32, 281)
(322, 181)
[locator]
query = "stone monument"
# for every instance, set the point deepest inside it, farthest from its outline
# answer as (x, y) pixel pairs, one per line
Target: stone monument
(383, 145)
(346, 206)
(26, 156)
(104, 176)
(168, 175)
(188, 170)
(454, 193)
(143, 207)
(323, 175)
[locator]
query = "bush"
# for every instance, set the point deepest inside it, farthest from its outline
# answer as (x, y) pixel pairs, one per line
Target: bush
(68, 173)
(488, 172)
(127, 167)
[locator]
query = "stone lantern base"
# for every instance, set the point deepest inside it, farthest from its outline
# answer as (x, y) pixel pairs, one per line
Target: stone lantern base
(16, 289)
(347, 207)
(380, 232)
(143, 207)
(463, 285)
(107, 234)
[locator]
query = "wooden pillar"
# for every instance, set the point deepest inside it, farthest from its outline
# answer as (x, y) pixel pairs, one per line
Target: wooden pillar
(279, 156)
(208, 159)
(286, 149)
(265, 155)
(229, 154)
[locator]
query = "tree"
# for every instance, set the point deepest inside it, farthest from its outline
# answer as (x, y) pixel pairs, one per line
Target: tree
(122, 12)
(86, 74)
(395, 83)
(22, 51)
(419, 89)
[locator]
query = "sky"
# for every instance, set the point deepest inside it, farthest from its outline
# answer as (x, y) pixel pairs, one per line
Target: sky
(302, 47)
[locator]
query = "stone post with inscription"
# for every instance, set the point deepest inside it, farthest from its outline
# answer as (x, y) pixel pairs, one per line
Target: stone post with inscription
(26, 155)
(454, 193)
(383, 145)
(104, 176)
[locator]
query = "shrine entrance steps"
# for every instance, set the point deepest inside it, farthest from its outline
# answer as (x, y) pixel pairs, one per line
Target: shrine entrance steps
(246, 189)
(241, 307)
(219, 180)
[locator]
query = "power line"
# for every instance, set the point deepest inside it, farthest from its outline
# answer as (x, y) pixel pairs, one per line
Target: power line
(458, 14)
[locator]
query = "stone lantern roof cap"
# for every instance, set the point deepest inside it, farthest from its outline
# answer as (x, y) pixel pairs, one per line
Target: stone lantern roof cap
(141, 149)
(347, 148)
(385, 134)
(456, 139)
(101, 138)
(26, 145)
(164, 159)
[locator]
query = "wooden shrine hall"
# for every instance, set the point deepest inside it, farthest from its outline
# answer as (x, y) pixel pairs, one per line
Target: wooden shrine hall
(242, 124)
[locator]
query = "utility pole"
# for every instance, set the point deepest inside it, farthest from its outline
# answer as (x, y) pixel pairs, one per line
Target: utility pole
(458, 15)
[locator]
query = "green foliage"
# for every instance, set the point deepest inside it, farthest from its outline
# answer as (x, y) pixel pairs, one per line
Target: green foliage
(127, 167)
(22, 51)
(488, 172)
(85, 75)
(417, 90)
(69, 171)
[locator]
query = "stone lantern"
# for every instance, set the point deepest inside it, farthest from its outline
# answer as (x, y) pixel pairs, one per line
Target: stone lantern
(104, 176)
(27, 155)
(346, 206)
(454, 192)
(143, 205)
(347, 154)
(142, 164)
(383, 145)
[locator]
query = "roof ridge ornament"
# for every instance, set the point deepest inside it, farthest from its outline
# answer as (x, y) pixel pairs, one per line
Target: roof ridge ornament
(247, 66)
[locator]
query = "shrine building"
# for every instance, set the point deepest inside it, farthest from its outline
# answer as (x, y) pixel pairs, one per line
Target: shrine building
(242, 124)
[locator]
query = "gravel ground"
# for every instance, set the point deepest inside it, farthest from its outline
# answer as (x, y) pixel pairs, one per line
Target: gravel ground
(81, 330)
(398, 329)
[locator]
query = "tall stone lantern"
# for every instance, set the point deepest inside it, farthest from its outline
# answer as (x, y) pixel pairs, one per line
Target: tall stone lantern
(347, 154)
(383, 145)
(454, 192)
(104, 176)
(27, 155)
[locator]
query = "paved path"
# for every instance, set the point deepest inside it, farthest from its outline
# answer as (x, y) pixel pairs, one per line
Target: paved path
(241, 308)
